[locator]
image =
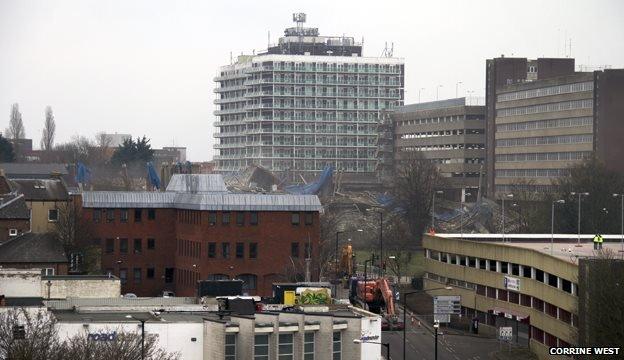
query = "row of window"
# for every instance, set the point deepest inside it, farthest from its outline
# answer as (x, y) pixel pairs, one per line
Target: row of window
(428, 134)
(194, 250)
(123, 215)
(109, 246)
(547, 91)
(444, 147)
(514, 298)
(511, 189)
(504, 268)
(530, 173)
(546, 140)
(542, 108)
(285, 348)
(545, 124)
(553, 156)
(439, 120)
(137, 275)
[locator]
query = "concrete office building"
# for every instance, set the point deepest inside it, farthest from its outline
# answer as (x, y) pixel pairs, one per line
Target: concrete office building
(449, 132)
(541, 125)
(517, 284)
(307, 102)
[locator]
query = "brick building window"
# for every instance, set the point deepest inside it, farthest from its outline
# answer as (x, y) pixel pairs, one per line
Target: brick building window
(123, 246)
(294, 249)
(240, 218)
(212, 250)
(253, 218)
(169, 275)
(123, 276)
(137, 215)
(294, 218)
(97, 215)
(151, 214)
(212, 218)
(53, 215)
(225, 218)
(253, 250)
(110, 215)
(225, 250)
(151, 244)
(150, 273)
(137, 275)
(249, 281)
(240, 250)
(309, 218)
(138, 246)
(110, 246)
(123, 215)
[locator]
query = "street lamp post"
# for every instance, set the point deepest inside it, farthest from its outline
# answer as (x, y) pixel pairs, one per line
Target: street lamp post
(386, 345)
(142, 321)
(504, 196)
(438, 92)
(405, 295)
(622, 224)
(456, 87)
(419, 90)
(461, 214)
(433, 208)
(578, 219)
(552, 225)
(380, 239)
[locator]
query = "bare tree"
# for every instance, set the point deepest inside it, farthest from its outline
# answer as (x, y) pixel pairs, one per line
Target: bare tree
(415, 179)
(49, 130)
(33, 335)
(75, 233)
(28, 335)
(16, 126)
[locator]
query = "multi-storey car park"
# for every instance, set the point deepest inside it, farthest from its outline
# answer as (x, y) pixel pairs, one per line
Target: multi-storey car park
(307, 102)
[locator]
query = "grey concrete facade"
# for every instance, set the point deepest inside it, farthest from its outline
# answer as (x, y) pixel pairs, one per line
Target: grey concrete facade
(450, 133)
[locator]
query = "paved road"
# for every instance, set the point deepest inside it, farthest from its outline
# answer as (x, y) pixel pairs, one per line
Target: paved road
(420, 345)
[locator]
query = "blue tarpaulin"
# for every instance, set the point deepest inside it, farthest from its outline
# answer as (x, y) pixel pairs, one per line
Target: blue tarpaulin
(314, 187)
(83, 174)
(153, 176)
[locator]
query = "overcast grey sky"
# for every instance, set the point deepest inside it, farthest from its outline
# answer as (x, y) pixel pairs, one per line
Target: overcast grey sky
(146, 67)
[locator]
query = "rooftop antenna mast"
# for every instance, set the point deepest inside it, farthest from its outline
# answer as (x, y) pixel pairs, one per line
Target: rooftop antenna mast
(388, 51)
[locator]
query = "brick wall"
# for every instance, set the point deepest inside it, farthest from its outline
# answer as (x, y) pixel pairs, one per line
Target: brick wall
(22, 226)
(182, 241)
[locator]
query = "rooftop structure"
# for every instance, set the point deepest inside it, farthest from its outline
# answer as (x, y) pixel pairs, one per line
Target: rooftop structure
(308, 102)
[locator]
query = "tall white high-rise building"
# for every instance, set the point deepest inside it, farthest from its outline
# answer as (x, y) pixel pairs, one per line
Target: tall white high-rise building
(306, 102)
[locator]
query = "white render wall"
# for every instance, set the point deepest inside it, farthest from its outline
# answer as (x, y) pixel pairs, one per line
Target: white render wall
(20, 282)
(172, 337)
(85, 289)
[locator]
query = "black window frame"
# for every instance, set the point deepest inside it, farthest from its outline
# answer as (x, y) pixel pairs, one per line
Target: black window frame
(212, 218)
(294, 250)
(110, 215)
(254, 218)
(212, 250)
(138, 215)
(240, 250)
(225, 218)
(308, 218)
(150, 272)
(109, 246)
(136, 271)
(151, 243)
(139, 249)
(123, 249)
(295, 218)
(151, 214)
(123, 215)
(225, 250)
(96, 218)
(253, 250)
(240, 218)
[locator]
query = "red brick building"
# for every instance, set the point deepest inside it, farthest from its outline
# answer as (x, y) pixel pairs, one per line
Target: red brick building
(157, 241)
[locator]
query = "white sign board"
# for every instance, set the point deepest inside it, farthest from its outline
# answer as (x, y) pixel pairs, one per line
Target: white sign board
(505, 333)
(511, 283)
(442, 318)
(447, 304)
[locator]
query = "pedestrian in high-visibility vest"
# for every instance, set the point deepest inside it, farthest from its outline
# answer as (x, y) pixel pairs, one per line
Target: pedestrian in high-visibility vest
(600, 240)
(596, 240)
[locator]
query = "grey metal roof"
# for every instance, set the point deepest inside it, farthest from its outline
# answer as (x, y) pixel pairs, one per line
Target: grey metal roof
(200, 201)
(128, 199)
(197, 183)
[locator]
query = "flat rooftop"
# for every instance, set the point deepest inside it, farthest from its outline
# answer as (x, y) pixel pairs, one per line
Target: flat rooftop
(569, 251)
